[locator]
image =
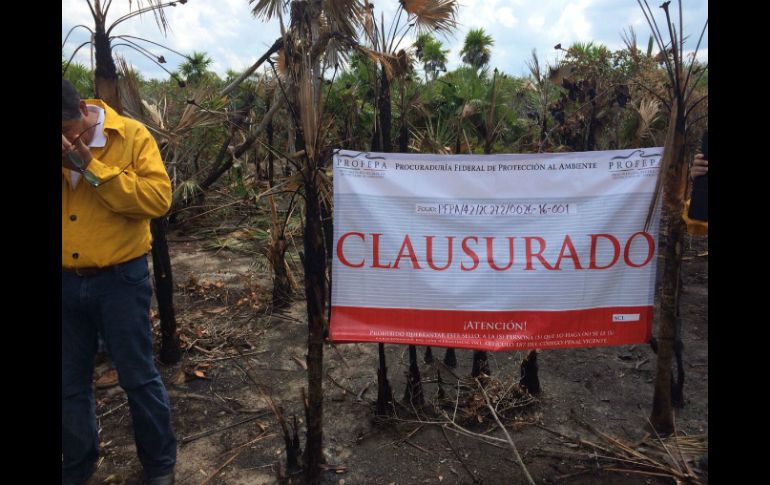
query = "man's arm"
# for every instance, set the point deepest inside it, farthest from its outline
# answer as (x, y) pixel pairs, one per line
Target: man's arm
(140, 190)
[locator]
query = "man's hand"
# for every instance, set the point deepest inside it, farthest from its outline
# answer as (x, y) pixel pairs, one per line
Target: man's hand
(78, 150)
(700, 166)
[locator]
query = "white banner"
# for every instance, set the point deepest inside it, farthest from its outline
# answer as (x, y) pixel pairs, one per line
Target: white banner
(494, 251)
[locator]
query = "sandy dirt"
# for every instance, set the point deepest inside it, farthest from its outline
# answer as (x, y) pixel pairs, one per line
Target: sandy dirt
(610, 388)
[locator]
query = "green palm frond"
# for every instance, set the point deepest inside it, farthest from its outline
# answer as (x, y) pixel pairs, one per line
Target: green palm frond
(476, 49)
(186, 191)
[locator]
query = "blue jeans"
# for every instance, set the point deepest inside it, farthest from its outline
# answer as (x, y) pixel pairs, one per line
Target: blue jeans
(116, 304)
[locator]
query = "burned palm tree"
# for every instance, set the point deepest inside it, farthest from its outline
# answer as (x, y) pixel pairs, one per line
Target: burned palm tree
(104, 40)
(422, 16)
(318, 33)
(682, 81)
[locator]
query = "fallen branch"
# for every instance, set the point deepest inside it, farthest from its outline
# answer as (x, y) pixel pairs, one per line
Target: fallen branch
(638, 472)
(205, 351)
(461, 430)
(214, 359)
(578, 440)
(221, 467)
(459, 458)
(622, 446)
(259, 437)
(417, 447)
(590, 455)
(661, 463)
(508, 436)
(404, 439)
(349, 391)
(277, 45)
(178, 395)
(209, 432)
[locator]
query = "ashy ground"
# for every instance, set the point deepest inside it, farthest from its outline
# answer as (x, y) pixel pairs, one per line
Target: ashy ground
(236, 353)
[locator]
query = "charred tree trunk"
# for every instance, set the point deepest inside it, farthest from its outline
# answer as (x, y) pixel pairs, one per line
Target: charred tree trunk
(450, 359)
(282, 290)
(270, 130)
(590, 143)
(254, 158)
(428, 355)
(677, 387)
(381, 142)
(293, 450)
(170, 352)
(327, 223)
(529, 375)
(221, 166)
(457, 140)
(480, 363)
(440, 394)
(672, 174)
(291, 146)
(413, 392)
(315, 293)
(376, 147)
(383, 103)
(106, 73)
(488, 146)
(403, 138)
(384, 393)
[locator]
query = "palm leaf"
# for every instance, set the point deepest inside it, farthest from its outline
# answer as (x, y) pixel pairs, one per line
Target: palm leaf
(344, 16)
(432, 15)
(648, 110)
(266, 9)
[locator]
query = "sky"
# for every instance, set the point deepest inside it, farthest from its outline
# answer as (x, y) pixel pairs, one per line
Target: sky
(228, 33)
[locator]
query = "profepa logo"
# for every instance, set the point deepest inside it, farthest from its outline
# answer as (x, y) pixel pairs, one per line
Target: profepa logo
(635, 164)
(361, 161)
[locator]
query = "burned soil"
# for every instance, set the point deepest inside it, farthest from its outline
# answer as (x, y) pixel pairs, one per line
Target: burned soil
(594, 401)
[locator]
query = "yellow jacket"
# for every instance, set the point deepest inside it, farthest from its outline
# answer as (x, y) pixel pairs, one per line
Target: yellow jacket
(109, 223)
(694, 227)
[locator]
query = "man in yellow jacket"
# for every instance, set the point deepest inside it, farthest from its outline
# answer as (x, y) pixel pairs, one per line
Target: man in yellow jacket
(699, 168)
(113, 183)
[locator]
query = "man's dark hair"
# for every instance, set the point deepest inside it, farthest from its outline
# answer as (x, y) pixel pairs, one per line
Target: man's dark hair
(70, 101)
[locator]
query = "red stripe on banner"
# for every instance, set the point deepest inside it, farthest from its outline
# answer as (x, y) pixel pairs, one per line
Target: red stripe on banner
(493, 330)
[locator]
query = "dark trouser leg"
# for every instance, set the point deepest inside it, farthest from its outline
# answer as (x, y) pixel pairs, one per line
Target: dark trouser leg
(123, 309)
(79, 436)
